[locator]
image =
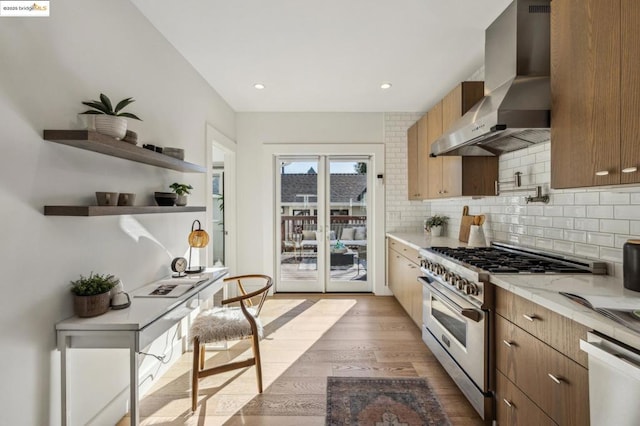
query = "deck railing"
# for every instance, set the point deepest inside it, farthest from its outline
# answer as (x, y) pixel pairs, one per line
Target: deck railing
(291, 227)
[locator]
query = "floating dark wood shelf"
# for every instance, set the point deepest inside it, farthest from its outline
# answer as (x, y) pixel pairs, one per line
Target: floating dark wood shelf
(96, 142)
(115, 210)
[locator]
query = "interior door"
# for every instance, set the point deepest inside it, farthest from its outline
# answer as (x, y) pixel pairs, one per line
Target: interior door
(321, 224)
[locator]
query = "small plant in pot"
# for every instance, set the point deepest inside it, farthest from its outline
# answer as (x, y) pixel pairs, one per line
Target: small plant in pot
(434, 224)
(92, 294)
(181, 191)
(109, 120)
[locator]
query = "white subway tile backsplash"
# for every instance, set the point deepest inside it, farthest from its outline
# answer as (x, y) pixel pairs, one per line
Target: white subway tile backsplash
(575, 236)
(566, 198)
(575, 211)
(587, 198)
(614, 198)
(615, 226)
(602, 212)
(584, 224)
(563, 246)
(544, 221)
(544, 243)
(536, 231)
(535, 210)
(553, 211)
(556, 234)
(627, 212)
(611, 254)
(527, 241)
(587, 250)
(600, 239)
(563, 222)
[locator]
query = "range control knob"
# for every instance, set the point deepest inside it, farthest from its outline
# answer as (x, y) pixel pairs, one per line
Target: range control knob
(471, 289)
(462, 284)
(448, 276)
(453, 278)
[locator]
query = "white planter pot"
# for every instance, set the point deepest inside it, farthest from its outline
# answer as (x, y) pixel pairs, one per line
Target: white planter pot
(110, 125)
(181, 200)
(436, 231)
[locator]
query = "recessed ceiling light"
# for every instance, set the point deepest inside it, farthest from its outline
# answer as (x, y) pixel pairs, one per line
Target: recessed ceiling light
(385, 86)
(259, 86)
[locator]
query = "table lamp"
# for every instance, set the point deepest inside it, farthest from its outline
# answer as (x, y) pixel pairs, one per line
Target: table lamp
(198, 238)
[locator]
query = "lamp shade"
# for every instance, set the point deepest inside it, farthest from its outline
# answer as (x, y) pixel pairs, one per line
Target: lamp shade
(198, 238)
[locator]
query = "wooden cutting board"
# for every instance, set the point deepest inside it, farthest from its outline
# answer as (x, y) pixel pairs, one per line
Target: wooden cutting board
(465, 225)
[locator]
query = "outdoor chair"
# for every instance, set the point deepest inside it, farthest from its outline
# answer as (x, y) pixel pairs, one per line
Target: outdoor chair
(221, 324)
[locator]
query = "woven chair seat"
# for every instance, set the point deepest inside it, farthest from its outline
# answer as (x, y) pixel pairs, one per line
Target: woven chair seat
(223, 323)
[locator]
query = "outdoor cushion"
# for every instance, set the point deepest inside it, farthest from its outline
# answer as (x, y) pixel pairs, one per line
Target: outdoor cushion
(348, 234)
(361, 233)
(308, 235)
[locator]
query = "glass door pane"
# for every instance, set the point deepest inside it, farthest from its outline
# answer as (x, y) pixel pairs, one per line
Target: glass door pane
(300, 240)
(347, 218)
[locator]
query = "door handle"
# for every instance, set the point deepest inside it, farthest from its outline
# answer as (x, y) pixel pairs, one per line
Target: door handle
(472, 314)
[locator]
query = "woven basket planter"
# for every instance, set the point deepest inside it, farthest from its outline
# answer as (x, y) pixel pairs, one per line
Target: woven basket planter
(116, 127)
(91, 306)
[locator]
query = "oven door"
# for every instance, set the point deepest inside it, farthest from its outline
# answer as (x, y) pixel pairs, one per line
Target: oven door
(460, 327)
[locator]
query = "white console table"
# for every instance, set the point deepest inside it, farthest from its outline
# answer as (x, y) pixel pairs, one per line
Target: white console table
(133, 328)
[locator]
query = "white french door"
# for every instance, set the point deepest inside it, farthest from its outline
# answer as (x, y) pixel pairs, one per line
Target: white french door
(321, 221)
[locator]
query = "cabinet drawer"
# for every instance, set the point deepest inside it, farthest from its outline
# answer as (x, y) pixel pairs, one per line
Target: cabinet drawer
(405, 250)
(514, 408)
(555, 383)
(560, 332)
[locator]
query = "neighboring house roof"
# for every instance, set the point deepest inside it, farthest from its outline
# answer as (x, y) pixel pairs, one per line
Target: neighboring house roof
(344, 187)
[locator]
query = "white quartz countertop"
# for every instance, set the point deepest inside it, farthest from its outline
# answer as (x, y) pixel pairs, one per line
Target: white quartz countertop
(420, 240)
(544, 290)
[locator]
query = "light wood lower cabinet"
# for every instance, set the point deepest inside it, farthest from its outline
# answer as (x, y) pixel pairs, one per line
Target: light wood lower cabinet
(513, 408)
(554, 382)
(403, 272)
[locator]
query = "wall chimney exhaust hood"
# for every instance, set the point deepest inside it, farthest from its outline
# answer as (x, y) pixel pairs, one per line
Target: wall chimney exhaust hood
(516, 110)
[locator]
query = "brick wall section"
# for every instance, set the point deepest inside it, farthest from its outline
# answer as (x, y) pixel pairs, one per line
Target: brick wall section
(590, 223)
(401, 214)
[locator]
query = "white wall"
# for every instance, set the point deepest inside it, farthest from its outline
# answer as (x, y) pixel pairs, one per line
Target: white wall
(255, 131)
(50, 65)
(591, 223)
(402, 215)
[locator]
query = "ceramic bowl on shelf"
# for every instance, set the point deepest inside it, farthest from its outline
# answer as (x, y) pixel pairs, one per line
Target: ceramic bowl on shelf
(165, 198)
(107, 198)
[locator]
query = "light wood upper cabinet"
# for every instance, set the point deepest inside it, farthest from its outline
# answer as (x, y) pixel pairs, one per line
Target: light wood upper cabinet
(413, 191)
(595, 88)
(434, 164)
(417, 156)
(630, 83)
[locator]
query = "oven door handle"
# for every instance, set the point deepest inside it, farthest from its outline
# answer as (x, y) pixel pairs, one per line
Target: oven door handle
(472, 314)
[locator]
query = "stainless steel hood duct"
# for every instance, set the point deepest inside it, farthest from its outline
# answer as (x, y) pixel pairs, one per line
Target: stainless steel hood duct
(516, 110)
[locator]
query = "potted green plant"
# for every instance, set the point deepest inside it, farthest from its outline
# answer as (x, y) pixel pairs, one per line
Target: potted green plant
(181, 191)
(109, 120)
(434, 224)
(92, 294)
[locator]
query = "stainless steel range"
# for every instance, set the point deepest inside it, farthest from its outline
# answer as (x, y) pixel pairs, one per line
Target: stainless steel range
(458, 307)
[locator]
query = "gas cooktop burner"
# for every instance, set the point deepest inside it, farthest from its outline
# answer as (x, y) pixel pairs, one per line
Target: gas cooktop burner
(512, 260)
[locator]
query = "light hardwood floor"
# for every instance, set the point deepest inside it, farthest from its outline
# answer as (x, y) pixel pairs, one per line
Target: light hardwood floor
(307, 338)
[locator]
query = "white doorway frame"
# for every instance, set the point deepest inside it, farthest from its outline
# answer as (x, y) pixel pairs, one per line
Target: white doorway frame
(377, 258)
(214, 137)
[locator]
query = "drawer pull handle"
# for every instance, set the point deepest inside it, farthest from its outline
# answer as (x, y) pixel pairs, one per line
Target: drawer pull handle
(630, 170)
(602, 173)
(507, 402)
(554, 378)
(531, 317)
(507, 343)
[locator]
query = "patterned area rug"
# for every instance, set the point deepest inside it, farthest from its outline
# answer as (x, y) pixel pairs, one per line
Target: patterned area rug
(382, 402)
